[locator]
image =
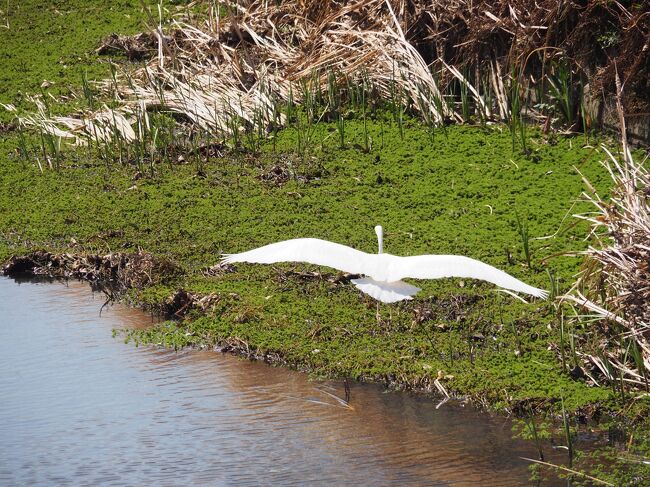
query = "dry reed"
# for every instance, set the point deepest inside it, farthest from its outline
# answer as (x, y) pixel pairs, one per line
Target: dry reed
(615, 283)
(227, 74)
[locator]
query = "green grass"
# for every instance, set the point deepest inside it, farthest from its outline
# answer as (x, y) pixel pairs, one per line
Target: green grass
(56, 41)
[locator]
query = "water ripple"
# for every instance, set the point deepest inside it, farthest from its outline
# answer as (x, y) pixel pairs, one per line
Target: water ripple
(81, 408)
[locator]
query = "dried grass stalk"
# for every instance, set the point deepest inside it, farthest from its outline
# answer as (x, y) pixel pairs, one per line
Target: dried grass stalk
(615, 282)
(224, 73)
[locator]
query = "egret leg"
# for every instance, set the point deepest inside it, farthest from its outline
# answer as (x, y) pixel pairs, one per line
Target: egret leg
(386, 324)
(383, 325)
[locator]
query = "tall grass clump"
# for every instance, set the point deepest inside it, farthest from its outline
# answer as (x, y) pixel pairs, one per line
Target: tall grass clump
(614, 286)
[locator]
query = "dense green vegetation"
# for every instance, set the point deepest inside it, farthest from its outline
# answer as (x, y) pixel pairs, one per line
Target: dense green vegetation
(56, 42)
(460, 190)
(433, 196)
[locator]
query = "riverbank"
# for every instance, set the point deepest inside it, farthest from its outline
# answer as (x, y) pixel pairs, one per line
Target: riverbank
(158, 231)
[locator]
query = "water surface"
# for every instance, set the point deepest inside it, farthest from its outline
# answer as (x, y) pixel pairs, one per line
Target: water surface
(78, 407)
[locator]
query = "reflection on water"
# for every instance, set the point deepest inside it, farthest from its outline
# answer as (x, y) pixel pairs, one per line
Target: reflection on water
(78, 407)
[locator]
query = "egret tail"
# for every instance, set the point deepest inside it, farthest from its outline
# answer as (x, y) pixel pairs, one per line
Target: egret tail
(387, 292)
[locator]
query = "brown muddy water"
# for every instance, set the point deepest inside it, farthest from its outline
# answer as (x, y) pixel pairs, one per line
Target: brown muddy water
(79, 407)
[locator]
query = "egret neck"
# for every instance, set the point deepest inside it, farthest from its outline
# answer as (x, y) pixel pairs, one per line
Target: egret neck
(380, 238)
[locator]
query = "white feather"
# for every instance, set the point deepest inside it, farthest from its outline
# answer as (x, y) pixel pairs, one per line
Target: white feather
(384, 270)
(386, 292)
(310, 250)
(439, 266)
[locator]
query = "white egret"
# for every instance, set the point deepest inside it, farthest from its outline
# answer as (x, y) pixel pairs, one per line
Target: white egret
(384, 271)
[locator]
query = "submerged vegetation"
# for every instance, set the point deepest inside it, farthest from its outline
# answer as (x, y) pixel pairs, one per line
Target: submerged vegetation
(230, 125)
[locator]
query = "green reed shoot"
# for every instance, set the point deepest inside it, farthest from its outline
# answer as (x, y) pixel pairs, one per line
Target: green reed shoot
(439, 102)
(88, 92)
(562, 341)
(572, 346)
(567, 434)
(117, 139)
(622, 385)
(340, 127)
(532, 427)
(366, 138)
(517, 122)
(43, 148)
(275, 123)
(114, 79)
(638, 361)
(515, 105)
(583, 113)
(308, 101)
(397, 104)
(46, 103)
(334, 102)
(465, 99)
(250, 135)
(609, 369)
(291, 106)
(488, 97)
(515, 331)
(400, 114)
(561, 91)
(51, 144)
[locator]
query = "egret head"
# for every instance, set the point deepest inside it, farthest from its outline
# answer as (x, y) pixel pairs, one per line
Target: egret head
(380, 238)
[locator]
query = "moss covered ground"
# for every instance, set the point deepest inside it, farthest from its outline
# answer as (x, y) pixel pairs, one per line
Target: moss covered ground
(458, 193)
(459, 190)
(55, 41)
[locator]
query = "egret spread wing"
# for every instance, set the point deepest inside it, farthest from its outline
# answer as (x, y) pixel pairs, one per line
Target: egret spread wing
(438, 266)
(310, 250)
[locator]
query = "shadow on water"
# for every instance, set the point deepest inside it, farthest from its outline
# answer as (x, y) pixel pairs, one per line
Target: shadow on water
(80, 407)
